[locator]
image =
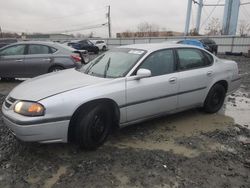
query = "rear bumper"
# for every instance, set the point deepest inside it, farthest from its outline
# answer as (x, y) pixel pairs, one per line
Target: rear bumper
(51, 132)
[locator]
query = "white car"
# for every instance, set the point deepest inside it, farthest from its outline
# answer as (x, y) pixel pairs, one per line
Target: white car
(123, 86)
(101, 44)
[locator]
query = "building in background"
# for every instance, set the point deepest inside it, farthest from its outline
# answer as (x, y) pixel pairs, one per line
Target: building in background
(148, 34)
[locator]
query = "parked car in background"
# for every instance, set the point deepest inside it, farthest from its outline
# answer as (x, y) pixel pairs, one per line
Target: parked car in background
(101, 44)
(207, 44)
(30, 59)
(120, 87)
(5, 42)
(84, 45)
(193, 42)
(212, 46)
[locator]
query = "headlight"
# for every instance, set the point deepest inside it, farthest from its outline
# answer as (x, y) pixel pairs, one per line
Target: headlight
(29, 108)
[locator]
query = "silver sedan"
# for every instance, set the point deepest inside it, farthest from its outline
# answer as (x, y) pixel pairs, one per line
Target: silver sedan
(33, 58)
(123, 86)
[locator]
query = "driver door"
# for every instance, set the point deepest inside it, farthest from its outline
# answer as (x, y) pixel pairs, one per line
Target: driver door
(157, 94)
(12, 61)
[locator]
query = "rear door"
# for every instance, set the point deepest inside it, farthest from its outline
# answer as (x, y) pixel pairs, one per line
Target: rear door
(195, 74)
(12, 61)
(156, 94)
(38, 59)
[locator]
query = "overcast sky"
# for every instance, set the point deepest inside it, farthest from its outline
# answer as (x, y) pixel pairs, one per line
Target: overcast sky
(53, 16)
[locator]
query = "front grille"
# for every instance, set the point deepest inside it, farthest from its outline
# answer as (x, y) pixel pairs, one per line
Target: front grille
(8, 105)
(9, 101)
(12, 100)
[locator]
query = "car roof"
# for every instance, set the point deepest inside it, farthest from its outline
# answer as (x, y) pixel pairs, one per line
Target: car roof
(156, 46)
(61, 48)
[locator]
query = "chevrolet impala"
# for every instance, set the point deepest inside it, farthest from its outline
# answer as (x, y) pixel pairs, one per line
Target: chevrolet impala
(123, 86)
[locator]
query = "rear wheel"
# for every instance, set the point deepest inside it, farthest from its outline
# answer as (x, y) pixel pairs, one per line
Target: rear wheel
(104, 48)
(93, 127)
(55, 69)
(215, 99)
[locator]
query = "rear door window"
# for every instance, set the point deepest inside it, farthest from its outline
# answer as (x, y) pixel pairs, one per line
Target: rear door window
(191, 59)
(38, 49)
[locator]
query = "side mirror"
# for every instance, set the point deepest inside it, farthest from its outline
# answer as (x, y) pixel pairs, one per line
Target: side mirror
(143, 73)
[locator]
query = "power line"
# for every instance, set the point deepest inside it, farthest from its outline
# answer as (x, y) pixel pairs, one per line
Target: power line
(212, 11)
(245, 11)
(80, 29)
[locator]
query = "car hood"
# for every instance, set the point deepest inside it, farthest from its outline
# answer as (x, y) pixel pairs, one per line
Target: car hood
(53, 83)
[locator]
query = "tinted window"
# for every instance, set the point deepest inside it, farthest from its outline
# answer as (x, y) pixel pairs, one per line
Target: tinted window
(89, 43)
(13, 50)
(191, 58)
(159, 63)
(38, 49)
(53, 50)
(99, 42)
(84, 42)
(210, 58)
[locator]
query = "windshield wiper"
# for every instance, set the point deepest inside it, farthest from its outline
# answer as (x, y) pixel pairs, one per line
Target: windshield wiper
(106, 68)
(93, 64)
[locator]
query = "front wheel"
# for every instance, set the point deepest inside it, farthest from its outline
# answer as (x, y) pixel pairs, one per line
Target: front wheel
(215, 99)
(93, 127)
(55, 69)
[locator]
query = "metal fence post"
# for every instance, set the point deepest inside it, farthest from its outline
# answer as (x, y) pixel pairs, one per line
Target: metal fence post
(232, 45)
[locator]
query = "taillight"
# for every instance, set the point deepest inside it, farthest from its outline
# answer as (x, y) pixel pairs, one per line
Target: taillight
(76, 58)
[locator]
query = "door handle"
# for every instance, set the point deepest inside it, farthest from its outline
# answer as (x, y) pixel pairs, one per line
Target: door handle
(46, 59)
(209, 73)
(19, 60)
(172, 80)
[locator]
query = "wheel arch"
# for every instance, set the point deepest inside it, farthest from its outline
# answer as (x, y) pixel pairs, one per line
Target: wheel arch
(55, 65)
(224, 83)
(106, 101)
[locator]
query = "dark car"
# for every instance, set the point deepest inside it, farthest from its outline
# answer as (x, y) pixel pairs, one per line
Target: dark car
(84, 45)
(5, 42)
(30, 59)
(212, 46)
(207, 44)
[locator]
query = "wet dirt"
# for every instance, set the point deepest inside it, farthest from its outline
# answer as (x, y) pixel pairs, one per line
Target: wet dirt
(188, 149)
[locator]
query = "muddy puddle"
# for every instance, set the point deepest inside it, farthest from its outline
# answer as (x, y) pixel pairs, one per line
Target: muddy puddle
(238, 107)
(164, 133)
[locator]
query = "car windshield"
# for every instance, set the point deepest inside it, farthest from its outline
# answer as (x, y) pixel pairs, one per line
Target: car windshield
(113, 64)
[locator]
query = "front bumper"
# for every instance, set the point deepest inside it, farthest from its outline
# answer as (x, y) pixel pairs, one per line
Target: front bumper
(49, 132)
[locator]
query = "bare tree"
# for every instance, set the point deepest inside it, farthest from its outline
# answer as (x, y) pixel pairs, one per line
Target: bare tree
(244, 28)
(193, 32)
(213, 27)
(146, 29)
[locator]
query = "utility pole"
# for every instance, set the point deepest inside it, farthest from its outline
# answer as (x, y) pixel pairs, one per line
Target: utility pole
(189, 9)
(1, 32)
(109, 22)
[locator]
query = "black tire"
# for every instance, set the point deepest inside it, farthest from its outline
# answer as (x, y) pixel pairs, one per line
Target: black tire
(215, 99)
(7, 79)
(96, 51)
(93, 127)
(104, 48)
(55, 68)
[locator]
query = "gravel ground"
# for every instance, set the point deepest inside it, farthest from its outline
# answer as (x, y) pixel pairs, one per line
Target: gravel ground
(189, 149)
